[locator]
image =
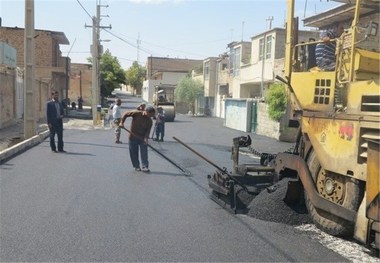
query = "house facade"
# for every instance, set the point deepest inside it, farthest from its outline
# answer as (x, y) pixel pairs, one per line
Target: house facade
(81, 83)
(50, 66)
(165, 71)
(236, 83)
(216, 82)
(266, 61)
(51, 72)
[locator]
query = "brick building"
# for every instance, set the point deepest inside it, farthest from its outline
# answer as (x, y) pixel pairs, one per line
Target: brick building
(80, 83)
(50, 66)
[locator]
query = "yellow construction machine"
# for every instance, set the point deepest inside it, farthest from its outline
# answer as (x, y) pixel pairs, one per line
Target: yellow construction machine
(334, 166)
(337, 154)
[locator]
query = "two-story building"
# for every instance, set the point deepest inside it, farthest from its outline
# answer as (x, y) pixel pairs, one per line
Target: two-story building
(248, 70)
(165, 71)
(51, 70)
(265, 60)
(216, 80)
(50, 66)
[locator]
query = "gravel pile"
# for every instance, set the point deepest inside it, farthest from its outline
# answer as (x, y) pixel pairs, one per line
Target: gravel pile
(271, 207)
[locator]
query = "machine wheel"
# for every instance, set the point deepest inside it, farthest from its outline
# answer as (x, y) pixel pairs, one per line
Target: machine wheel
(336, 188)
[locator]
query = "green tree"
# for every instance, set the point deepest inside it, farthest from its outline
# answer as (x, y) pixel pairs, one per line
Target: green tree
(277, 101)
(111, 74)
(188, 90)
(135, 75)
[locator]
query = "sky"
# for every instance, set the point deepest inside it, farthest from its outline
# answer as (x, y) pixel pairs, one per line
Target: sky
(188, 29)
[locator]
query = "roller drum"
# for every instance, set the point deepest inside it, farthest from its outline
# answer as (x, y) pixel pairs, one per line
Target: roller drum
(169, 112)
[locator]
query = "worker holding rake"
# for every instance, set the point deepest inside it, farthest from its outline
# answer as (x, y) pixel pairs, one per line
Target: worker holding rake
(138, 136)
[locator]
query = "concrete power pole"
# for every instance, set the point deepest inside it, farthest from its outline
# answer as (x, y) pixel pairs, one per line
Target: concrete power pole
(270, 19)
(95, 48)
(138, 48)
(29, 67)
(95, 69)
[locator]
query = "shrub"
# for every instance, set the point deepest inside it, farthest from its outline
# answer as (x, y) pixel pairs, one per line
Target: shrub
(277, 101)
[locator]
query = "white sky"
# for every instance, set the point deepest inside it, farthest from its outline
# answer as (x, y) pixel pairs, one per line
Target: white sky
(192, 29)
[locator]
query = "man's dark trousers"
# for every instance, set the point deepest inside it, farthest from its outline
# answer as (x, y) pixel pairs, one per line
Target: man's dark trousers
(56, 127)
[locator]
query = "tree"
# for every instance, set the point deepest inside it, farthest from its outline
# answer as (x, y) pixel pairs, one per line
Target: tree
(111, 74)
(188, 90)
(135, 75)
(277, 101)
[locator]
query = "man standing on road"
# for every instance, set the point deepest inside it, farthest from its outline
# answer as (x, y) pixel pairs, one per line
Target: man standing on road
(116, 115)
(54, 113)
(139, 135)
(160, 125)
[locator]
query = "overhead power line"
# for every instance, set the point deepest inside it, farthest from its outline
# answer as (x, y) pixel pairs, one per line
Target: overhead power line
(129, 43)
(147, 51)
(84, 9)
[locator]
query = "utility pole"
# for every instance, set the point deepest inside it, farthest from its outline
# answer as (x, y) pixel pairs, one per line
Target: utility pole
(67, 85)
(263, 66)
(270, 19)
(138, 48)
(95, 70)
(265, 41)
(95, 47)
(68, 78)
(242, 31)
(80, 83)
(29, 97)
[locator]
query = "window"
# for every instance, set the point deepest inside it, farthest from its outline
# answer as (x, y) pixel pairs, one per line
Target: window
(232, 60)
(261, 49)
(265, 47)
(207, 70)
(268, 47)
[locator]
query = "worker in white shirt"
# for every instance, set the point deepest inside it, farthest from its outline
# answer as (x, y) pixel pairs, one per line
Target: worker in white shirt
(116, 115)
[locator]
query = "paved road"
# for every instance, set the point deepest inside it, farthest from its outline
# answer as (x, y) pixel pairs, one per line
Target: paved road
(90, 205)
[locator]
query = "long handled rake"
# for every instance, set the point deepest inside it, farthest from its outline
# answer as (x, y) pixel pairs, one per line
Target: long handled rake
(184, 171)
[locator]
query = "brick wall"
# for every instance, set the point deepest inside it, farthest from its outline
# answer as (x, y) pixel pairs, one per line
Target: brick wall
(50, 66)
(80, 83)
(7, 97)
(43, 46)
(15, 38)
(9, 101)
(267, 127)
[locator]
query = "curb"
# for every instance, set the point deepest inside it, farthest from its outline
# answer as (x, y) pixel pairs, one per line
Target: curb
(23, 146)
